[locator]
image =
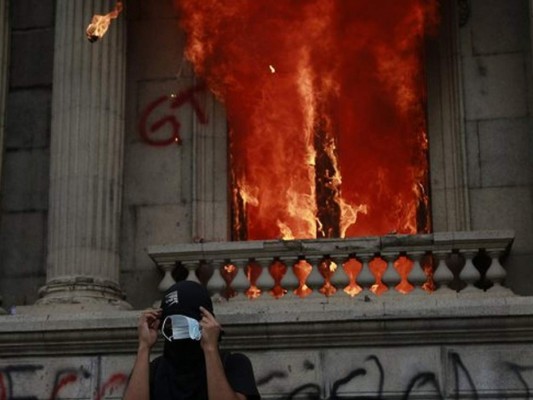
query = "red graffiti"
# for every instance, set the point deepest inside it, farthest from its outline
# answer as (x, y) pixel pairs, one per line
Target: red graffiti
(63, 378)
(147, 130)
(113, 382)
(62, 383)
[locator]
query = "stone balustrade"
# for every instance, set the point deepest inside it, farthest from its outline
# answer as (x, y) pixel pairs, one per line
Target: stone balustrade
(457, 263)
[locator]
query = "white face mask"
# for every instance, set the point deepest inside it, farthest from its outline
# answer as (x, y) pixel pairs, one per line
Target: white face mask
(182, 328)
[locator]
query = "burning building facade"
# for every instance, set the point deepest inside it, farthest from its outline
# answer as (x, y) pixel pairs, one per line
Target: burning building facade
(345, 178)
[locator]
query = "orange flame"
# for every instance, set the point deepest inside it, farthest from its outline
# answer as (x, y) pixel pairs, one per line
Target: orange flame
(326, 102)
(100, 23)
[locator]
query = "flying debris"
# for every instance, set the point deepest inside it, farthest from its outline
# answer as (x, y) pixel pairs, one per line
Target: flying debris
(100, 23)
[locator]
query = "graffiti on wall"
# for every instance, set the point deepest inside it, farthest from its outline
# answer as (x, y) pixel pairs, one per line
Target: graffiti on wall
(25, 382)
(462, 383)
(159, 124)
(63, 378)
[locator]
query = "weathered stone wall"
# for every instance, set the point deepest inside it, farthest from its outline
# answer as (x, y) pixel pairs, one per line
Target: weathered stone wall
(24, 181)
(161, 177)
(496, 69)
(157, 176)
(418, 372)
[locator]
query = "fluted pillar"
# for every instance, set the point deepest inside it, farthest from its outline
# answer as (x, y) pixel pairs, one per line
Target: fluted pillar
(4, 46)
(86, 155)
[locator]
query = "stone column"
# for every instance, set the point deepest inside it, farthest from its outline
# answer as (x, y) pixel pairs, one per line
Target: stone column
(530, 64)
(4, 47)
(86, 153)
(210, 193)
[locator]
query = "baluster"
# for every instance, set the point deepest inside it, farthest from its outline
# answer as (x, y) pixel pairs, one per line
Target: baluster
(167, 281)
(253, 271)
(469, 274)
(315, 280)
(378, 266)
(302, 270)
(191, 267)
(366, 278)
(205, 272)
(417, 275)
(404, 266)
(390, 277)
(290, 280)
(327, 267)
(496, 274)
(217, 283)
(265, 280)
(352, 268)
(443, 276)
(229, 271)
(277, 271)
(240, 282)
(428, 265)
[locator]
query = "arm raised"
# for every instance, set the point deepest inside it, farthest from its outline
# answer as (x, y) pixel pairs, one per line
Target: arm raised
(138, 385)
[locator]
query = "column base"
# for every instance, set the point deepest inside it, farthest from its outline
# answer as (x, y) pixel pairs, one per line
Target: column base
(83, 291)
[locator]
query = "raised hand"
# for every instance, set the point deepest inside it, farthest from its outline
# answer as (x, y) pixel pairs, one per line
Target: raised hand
(210, 330)
(147, 328)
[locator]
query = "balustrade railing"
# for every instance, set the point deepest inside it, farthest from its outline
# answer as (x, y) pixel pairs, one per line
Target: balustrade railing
(460, 263)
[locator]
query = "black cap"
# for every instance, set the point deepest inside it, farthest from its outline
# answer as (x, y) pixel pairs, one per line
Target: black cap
(185, 298)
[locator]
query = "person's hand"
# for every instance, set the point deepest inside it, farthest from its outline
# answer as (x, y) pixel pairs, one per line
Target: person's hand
(210, 330)
(147, 328)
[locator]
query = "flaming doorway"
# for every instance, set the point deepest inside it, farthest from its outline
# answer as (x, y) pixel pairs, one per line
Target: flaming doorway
(326, 107)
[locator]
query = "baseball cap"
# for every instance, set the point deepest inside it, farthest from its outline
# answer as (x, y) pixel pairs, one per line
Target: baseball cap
(185, 298)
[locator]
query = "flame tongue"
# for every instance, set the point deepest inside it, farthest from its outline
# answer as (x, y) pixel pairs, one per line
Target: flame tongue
(313, 88)
(100, 23)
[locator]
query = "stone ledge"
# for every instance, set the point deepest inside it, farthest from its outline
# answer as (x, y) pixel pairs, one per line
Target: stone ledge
(394, 320)
(369, 306)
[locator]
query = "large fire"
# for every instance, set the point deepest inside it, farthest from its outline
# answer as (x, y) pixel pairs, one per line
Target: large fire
(326, 106)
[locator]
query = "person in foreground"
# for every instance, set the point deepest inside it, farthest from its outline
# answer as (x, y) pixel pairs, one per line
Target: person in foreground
(191, 367)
